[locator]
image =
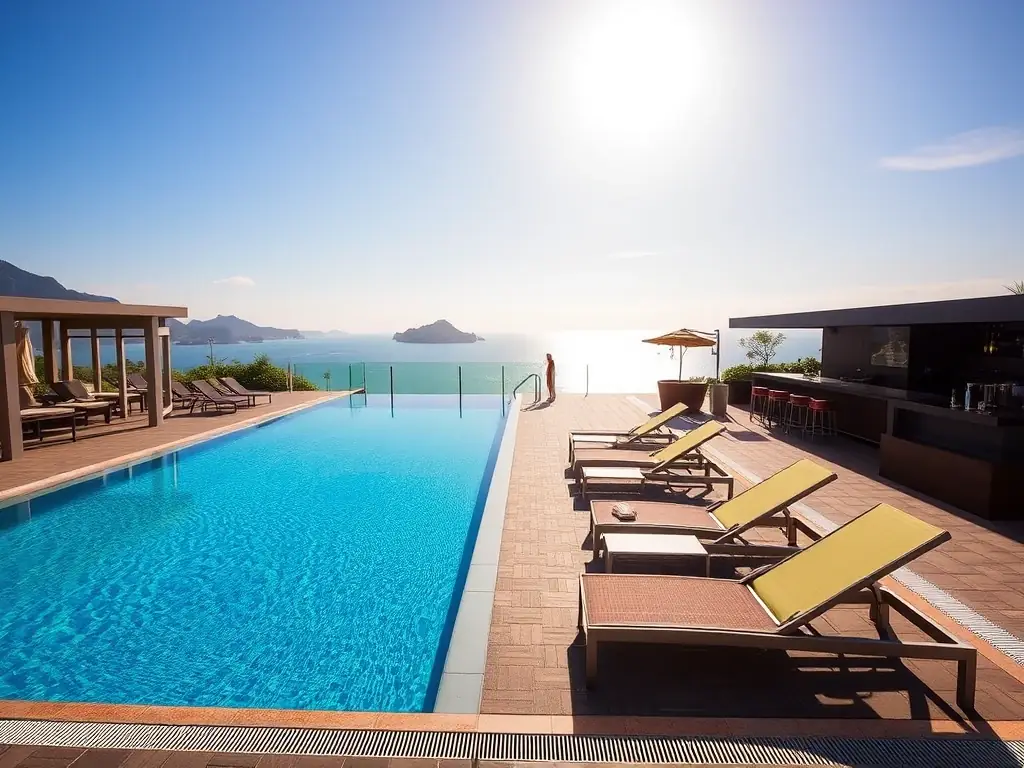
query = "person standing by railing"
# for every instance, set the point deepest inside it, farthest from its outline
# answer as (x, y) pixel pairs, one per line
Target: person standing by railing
(550, 374)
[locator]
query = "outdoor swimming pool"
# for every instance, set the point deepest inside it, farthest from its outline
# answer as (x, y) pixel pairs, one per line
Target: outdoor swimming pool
(313, 562)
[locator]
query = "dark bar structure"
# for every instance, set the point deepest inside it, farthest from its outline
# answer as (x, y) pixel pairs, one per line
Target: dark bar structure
(938, 386)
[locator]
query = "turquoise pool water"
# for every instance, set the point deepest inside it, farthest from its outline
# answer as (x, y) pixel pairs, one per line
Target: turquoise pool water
(315, 562)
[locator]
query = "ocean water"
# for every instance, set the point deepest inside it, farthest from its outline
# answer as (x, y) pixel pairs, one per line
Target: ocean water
(311, 563)
(595, 361)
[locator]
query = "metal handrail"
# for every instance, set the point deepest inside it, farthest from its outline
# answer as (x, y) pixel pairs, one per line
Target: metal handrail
(536, 387)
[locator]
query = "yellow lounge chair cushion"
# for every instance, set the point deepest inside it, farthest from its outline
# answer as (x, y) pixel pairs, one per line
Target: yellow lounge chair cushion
(660, 420)
(688, 442)
(771, 493)
(864, 548)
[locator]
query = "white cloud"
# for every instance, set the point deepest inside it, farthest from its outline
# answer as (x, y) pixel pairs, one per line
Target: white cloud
(629, 255)
(978, 147)
(238, 281)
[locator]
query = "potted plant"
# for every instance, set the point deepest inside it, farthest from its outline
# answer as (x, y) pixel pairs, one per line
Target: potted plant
(719, 397)
(689, 392)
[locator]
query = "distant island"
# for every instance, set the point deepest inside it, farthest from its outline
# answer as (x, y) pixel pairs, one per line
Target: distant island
(440, 332)
(226, 329)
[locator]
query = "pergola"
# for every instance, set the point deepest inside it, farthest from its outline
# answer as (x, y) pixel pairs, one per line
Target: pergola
(94, 320)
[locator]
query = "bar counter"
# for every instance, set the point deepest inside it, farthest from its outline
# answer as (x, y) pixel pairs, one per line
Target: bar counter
(972, 460)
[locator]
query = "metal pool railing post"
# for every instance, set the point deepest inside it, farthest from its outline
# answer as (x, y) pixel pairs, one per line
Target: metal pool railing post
(392, 369)
(350, 376)
(460, 391)
(503, 390)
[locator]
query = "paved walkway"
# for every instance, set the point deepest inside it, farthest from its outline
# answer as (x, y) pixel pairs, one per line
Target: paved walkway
(534, 668)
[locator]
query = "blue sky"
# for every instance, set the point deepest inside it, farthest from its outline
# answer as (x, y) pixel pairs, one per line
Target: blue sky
(513, 165)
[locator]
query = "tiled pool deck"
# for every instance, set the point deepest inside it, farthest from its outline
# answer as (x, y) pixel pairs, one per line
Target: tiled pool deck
(534, 669)
(533, 681)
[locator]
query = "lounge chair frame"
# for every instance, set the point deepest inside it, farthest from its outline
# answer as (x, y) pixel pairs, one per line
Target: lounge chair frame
(795, 633)
(216, 400)
(725, 541)
(679, 472)
(634, 438)
(233, 387)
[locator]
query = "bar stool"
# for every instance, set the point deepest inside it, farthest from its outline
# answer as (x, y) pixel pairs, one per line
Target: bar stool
(778, 403)
(758, 402)
(797, 413)
(823, 418)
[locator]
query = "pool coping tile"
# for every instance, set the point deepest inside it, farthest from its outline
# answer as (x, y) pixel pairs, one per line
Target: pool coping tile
(462, 680)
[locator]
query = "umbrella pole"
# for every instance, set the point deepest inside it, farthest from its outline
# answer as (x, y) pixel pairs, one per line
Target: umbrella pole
(682, 352)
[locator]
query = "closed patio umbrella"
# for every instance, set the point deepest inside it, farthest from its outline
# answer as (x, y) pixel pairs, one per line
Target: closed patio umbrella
(26, 365)
(684, 338)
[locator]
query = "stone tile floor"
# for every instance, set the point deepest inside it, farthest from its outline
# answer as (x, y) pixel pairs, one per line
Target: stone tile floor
(533, 666)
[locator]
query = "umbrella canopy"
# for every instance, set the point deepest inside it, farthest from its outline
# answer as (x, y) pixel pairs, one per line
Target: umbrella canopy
(26, 359)
(684, 338)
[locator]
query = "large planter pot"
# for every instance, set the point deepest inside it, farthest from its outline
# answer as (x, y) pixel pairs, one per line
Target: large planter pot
(719, 399)
(689, 393)
(739, 392)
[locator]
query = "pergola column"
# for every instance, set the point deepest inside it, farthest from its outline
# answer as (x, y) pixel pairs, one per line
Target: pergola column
(10, 418)
(154, 372)
(49, 353)
(67, 371)
(122, 372)
(97, 365)
(165, 351)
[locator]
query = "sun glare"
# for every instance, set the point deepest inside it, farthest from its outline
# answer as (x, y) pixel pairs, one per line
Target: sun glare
(637, 73)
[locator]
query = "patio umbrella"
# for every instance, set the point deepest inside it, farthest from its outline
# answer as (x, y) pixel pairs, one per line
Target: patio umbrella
(684, 338)
(26, 365)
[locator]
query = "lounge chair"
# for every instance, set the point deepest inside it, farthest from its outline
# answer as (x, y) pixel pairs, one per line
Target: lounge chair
(676, 464)
(74, 393)
(639, 437)
(223, 391)
(39, 415)
(722, 524)
(237, 389)
(772, 607)
(182, 396)
(137, 382)
(208, 396)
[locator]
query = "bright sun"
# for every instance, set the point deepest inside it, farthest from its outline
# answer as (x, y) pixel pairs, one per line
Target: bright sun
(638, 72)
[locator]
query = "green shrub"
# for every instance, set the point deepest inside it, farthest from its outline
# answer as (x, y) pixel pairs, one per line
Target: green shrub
(745, 372)
(742, 372)
(261, 375)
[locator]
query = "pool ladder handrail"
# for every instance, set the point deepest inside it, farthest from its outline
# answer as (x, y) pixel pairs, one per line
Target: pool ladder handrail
(536, 387)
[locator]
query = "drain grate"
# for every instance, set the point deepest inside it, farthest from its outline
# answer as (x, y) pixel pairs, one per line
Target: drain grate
(694, 750)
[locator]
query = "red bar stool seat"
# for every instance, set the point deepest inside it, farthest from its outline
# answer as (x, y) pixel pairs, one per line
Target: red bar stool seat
(823, 418)
(758, 402)
(778, 402)
(797, 413)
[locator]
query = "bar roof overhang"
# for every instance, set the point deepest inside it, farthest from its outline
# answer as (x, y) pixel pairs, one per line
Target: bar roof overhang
(990, 309)
(91, 314)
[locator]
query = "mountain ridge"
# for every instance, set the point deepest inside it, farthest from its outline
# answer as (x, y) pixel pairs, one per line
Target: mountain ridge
(223, 329)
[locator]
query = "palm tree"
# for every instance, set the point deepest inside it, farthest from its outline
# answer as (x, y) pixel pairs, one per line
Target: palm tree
(1017, 287)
